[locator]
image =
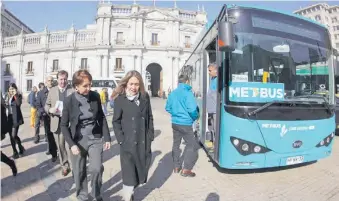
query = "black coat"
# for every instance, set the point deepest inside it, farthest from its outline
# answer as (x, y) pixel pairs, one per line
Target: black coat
(70, 118)
(133, 128)
(15, 105)
(41, 100)
(4, 122)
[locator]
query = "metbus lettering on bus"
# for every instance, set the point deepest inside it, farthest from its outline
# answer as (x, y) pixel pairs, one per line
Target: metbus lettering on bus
(256, 92)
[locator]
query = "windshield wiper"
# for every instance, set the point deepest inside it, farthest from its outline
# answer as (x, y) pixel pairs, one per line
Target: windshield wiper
(267, 105)
(325, 103)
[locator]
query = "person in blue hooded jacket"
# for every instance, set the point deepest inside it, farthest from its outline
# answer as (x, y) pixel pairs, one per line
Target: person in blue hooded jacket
(184, 110)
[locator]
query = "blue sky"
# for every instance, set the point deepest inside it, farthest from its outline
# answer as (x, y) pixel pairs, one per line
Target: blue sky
(59, 15)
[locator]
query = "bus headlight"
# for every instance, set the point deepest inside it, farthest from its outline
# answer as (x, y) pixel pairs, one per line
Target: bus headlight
(326, 141)
(236, 142)
(246, 148)
(257, 149)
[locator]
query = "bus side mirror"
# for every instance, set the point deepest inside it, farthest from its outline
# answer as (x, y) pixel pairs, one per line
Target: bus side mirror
(226, 38)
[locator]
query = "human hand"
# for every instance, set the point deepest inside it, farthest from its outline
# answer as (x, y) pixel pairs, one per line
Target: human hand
(75, 150)
(107, 145)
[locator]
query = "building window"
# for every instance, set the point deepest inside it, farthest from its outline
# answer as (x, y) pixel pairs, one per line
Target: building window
(337, 45)
(29, 69)
(8, 69)
(155, 39)
(187, 41)
(118, 64)
(55, 67)
(29, 85)
(84, 64)
(120, 38)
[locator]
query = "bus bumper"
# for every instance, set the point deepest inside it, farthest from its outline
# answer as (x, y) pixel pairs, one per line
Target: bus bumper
(273, 159)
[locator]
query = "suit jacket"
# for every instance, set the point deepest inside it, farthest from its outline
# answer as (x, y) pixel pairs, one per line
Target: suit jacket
(41, 101)
(70, 119)
(52, 98)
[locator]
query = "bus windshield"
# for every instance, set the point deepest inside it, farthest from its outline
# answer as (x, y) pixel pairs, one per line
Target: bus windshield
(277, 48)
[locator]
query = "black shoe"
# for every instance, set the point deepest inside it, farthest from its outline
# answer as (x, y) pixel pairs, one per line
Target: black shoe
(47, 153)
(14, 169)
(36, 141)
(54, 159)
(15, 155)
(22, 150)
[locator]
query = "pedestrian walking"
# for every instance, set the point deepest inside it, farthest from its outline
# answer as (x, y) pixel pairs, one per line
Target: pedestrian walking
(183, 108)
(133, 128)
(15, 119)
(53, 107)
(84, 126)
(5, 128)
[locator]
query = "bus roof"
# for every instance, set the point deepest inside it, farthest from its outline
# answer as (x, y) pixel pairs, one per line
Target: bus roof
(211, 24)
(279, 11)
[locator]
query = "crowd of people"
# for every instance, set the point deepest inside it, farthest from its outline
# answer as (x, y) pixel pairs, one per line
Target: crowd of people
(76, 129)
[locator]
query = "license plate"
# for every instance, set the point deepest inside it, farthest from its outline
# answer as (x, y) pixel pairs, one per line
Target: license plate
(294, 160)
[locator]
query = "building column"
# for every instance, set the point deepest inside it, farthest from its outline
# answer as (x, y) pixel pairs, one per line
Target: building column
(176, 34)
(109, 68)
(104, 66)
(135, 62)
(21, 70)
(100, 65)
(44, 69)
(134, 31)
(175, 72)
(73, 63)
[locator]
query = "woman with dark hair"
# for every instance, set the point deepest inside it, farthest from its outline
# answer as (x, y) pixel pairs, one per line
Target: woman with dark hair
(15, 118)
(133, 128)
(83, 124)
(4, 130)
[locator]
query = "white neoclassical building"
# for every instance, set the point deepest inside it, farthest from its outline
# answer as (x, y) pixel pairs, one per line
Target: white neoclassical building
(154, 41)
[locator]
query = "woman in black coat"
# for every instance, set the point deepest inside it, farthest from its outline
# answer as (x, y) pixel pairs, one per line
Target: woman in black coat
(4, 130)
(133, 128)
(84, 126)
(15, 118)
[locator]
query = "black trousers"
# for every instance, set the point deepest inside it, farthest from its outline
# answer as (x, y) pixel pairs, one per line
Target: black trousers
(37, 126)
(6, 160)
(13, 136)
(51, 144)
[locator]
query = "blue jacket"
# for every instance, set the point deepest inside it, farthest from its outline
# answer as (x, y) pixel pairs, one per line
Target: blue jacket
(182, 106)
(32, 99)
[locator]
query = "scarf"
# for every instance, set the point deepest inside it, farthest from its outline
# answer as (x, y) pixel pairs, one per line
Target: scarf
(134, 98)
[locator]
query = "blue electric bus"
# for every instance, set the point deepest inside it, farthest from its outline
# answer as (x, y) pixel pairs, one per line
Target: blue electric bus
(275, 89)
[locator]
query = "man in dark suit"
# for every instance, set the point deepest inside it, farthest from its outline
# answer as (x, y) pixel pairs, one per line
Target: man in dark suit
(40, 104)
